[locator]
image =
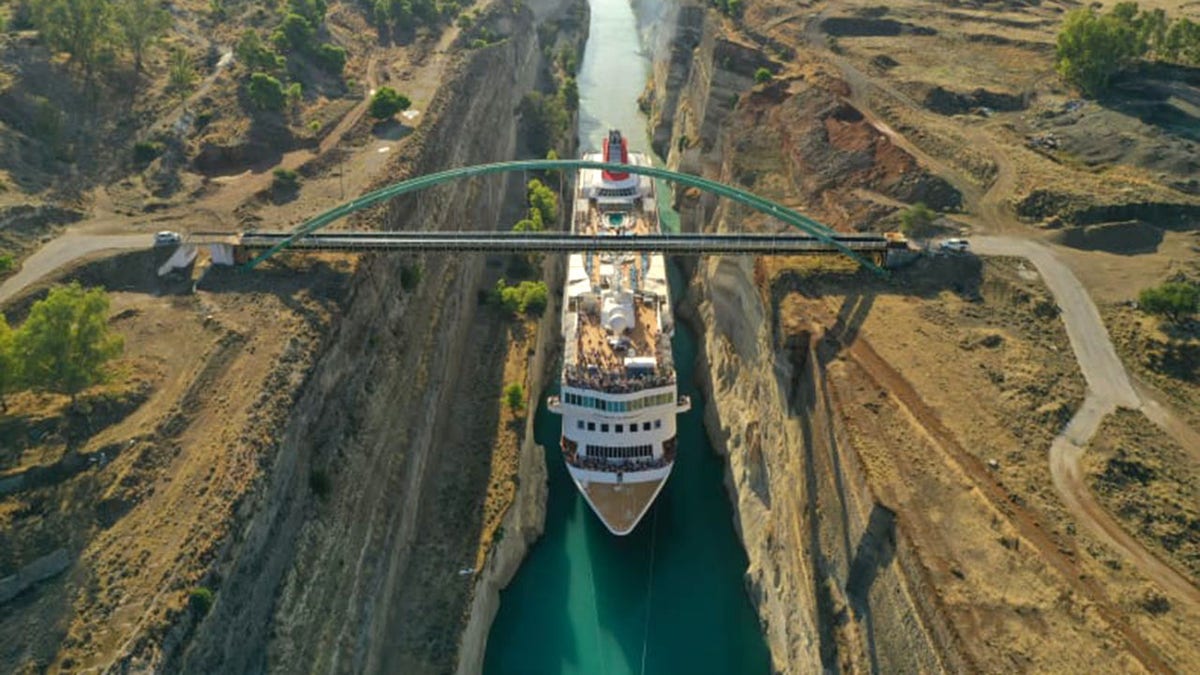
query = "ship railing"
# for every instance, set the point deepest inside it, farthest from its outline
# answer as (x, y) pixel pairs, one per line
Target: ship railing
(614, 465)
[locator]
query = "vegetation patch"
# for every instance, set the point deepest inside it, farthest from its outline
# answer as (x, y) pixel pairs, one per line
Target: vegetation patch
(1150, 484)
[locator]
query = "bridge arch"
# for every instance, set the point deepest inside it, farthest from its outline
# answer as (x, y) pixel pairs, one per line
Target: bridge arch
(797, 220)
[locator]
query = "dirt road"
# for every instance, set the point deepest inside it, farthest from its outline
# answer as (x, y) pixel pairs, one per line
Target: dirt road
(65, 249)
(1109, 386)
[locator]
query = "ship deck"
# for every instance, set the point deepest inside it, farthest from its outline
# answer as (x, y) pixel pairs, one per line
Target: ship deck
(595, 350)
(622, 505)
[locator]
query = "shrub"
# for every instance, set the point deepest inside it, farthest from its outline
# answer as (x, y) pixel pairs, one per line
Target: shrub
(1177, 301)
(285, 181)
(762, 75)
(200, 600)
(916, 220)
(266, 92)
(320, 483)
(410, 276)
(295, 34)
(387, 102)
(255, 55)
(544, 120)
(331, 58)
(514, 397)
(10, 373)
(145, 152)
(527, 297)
(7, 264)
(570, 94)
(543, 201)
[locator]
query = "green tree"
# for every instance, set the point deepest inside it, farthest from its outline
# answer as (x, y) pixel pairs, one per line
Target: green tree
(1152, 29)
(10, 375)
(142, 23)
(543, 201)
(1182, 42)
(294, 34)
(570, 94)
(252, 52)
(1092, 48)
(1176, 300)
(533, 223)
(331, 58)
(545, 121)
(916, 220)
(387, 102)
(266, 92)
(762, 76)
(514, 397)
(527, 297)
(65, 343)
(82, 28)
(312, 10)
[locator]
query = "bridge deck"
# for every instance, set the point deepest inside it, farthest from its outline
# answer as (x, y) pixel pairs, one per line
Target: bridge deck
(556, 242)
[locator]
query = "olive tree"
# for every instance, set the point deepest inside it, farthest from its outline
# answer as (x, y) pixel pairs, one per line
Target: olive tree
(65, 343)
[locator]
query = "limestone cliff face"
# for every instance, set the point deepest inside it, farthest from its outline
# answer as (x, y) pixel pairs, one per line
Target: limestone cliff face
(835, 583)
(365, 578)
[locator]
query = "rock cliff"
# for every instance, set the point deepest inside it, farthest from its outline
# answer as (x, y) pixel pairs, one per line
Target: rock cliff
(351, 557)
(831, 573)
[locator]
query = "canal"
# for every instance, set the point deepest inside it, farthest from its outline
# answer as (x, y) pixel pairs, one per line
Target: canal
(668, 598)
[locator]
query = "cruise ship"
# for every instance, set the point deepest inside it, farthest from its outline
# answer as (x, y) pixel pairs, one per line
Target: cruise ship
(618, 399)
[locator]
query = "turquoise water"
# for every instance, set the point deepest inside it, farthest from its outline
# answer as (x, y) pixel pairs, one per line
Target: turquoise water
(668, 598)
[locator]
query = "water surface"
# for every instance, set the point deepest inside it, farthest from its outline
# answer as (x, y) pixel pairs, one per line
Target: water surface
(669, 598)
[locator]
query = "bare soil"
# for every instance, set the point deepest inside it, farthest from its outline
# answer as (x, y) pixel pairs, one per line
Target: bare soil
(1151, 484)
(951, 397)
(173, 445)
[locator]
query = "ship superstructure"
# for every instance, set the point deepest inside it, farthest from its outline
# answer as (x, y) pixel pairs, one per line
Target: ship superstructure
(618, 399)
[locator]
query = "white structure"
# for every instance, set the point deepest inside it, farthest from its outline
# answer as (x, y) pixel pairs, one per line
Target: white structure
(618, 398)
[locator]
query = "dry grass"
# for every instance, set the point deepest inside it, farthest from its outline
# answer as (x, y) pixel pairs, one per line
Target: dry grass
(510, 432)
(217, 372)
(1151, 485)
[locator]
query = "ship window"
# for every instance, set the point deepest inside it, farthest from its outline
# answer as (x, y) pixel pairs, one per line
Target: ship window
(604, 428)
(591, 426)
(645, 426)
(657, 424)
(620, 428)
(579, 424)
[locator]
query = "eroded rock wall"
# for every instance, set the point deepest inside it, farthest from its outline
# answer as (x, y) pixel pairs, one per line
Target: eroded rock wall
(831, 572)
(358, 570)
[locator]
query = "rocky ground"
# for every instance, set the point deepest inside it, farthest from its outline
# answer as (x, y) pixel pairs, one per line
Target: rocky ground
(921, 413)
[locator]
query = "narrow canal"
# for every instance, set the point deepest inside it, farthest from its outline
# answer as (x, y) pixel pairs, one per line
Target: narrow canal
(669, 598)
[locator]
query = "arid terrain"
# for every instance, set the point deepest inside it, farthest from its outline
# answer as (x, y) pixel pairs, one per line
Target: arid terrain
(988, 462)
(962, 430)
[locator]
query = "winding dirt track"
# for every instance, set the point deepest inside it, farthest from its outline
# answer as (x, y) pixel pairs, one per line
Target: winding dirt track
(1109, 384)
(1109, 387)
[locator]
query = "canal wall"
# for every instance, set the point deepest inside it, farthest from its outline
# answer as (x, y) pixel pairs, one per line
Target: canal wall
(350, 553)
(832, 575)
(526, 518)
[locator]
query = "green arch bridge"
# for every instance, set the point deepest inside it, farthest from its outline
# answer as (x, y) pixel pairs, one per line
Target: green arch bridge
(811, 227)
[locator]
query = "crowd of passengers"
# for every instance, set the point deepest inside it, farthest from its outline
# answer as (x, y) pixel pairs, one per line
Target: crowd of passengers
(616, 381)
(602, 464)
